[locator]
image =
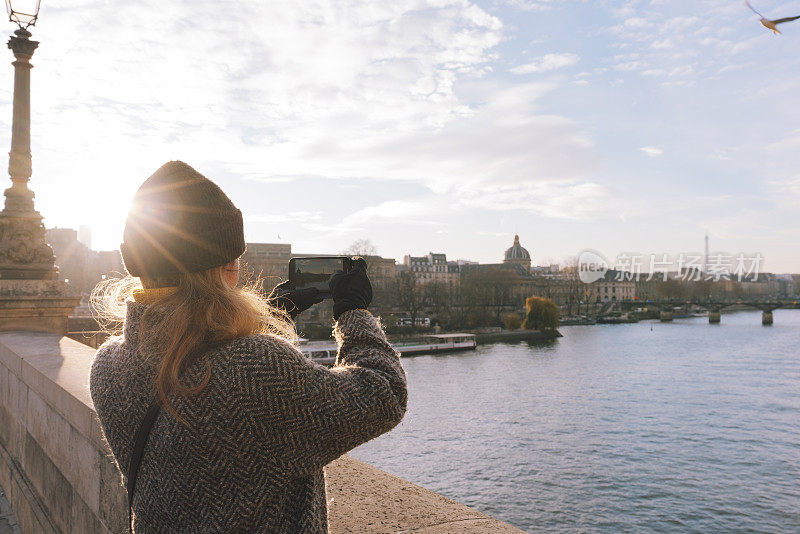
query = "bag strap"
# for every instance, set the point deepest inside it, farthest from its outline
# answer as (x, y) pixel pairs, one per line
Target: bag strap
(140, 439)
(139, 442)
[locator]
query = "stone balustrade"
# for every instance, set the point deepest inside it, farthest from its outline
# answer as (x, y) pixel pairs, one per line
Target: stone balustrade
(56, 469)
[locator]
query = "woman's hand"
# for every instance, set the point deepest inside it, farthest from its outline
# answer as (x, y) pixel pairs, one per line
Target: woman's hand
(352, 290)
(293, 301)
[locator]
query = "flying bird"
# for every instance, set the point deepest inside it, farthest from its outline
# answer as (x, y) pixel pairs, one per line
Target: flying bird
(770, 24)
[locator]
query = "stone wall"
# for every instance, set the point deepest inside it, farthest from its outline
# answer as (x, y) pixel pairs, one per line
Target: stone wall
(54, 464)
(56, 469)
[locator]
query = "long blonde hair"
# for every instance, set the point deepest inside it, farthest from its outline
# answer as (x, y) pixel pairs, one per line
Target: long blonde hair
(203, 311)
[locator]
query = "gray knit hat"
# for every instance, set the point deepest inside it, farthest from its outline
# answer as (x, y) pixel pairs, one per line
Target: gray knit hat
(180, 222)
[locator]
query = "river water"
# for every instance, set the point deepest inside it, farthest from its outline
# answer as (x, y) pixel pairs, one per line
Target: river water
(648, 427)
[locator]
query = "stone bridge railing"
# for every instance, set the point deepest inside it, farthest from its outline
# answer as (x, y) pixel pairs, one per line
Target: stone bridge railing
(57, 474)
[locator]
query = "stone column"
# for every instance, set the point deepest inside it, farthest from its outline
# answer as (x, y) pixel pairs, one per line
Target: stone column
(766, 318)
(18, 196)
(714, 317)
(31, 296)
(24, 253)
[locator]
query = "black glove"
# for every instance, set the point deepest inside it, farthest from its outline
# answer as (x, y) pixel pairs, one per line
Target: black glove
(352, 290)
(293, 301)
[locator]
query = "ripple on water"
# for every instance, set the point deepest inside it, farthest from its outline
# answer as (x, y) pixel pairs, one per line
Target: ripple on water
(688, 427)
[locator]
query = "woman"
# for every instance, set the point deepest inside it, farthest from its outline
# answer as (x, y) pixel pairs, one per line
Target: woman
(248, 422)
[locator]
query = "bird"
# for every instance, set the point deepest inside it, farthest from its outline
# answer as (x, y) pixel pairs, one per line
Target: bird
(770, 24)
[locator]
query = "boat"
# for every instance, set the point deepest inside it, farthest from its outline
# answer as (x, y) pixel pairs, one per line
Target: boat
(321, 352)
(434, 343)
(623, 318)
(324, 352)
(577, 320)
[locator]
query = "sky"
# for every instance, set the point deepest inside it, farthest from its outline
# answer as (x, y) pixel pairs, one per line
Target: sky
(440, 125)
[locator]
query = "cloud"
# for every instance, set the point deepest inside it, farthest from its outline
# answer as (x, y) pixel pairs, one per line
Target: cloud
(663, 44)
(294, 216)
(531, 5)
(503, 140)
(558, 200)
(652, 151)
(546, 63)
(257, 92)
(411, 211)
(790, 143)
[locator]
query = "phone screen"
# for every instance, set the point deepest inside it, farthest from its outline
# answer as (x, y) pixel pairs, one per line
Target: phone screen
(314, 272)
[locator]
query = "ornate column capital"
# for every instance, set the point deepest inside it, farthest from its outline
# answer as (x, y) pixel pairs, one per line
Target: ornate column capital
(22, 46)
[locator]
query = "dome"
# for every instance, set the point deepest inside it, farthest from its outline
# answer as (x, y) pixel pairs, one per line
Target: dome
(517, 251)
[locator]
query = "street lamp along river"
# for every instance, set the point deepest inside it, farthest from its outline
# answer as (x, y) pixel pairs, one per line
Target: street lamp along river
(24, 252)
(31, 296)
(23, 12)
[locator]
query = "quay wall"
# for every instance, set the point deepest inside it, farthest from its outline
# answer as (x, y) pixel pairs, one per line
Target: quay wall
(513, 336)
(57, 472)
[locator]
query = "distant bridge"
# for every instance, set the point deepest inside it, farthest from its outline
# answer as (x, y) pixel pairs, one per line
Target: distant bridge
(714, 306)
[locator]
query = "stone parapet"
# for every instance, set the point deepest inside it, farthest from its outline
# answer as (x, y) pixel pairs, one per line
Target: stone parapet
(36, 305)
(57, 472)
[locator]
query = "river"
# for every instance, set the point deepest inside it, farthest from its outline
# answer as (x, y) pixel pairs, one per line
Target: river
(648, 427)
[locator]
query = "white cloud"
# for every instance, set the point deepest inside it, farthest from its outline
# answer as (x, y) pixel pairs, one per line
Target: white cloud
(558, 200)
(406, 210)
(273, 91)
(501, 141)
(626, 66)
(294, 216)
(546, 63)
(258, 91)
(652, 151)
(566, 200)
(636, 23)
(663, 44)
(531, 5)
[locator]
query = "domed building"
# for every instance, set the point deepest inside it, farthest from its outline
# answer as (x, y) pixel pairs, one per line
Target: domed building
(518, 254)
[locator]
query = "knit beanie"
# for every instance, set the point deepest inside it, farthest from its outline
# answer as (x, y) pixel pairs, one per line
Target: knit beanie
(180, 222)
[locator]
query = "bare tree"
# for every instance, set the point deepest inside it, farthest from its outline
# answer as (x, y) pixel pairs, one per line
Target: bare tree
(573, 290)
(361, 247)
(485, 295)
(407, 293)
(435, 297)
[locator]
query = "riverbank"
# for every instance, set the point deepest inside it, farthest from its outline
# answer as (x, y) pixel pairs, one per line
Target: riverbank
(512, 336)
(486, 336)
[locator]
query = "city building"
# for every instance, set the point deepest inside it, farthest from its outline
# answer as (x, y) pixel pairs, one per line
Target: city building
(109, 263)
(761, 286)
(615, 286)
(85, 235)
(551, 269)
(433, 267)
(78, 265)
(787, 288)
(73, 259)
(268, 261)
(381, 271)
(518, 255)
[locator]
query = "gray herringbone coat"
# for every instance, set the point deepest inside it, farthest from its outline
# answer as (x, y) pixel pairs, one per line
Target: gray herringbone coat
(262, 430)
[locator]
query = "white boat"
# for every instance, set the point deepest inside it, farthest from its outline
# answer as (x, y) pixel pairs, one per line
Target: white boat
(324, 352)
(321, 352)
(437, 343)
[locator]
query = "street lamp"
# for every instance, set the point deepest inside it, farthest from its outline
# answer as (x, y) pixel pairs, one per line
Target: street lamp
(23, 12)
(24, 252)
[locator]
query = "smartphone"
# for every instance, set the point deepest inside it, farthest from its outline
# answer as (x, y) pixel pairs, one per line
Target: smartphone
(316, 271)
